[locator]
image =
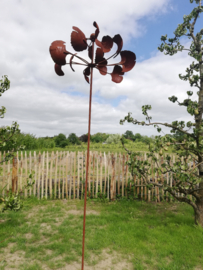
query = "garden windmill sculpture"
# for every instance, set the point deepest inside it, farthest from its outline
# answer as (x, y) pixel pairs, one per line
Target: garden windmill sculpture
(80, 43)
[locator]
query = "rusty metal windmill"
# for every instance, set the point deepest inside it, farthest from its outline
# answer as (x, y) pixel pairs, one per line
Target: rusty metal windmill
(80, 43)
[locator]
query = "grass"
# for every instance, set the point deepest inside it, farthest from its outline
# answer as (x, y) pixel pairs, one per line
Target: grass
(47, 234)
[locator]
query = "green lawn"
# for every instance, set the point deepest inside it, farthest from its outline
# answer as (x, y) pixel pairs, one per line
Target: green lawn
(47, 234)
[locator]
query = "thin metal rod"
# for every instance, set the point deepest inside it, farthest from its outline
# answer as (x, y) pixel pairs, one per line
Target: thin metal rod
(87, 164)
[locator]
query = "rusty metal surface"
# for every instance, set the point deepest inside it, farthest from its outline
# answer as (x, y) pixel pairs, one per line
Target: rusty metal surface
(14, 176)
(87, 164)
(80, 43)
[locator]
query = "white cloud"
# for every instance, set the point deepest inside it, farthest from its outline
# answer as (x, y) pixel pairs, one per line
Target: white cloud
(41, 102)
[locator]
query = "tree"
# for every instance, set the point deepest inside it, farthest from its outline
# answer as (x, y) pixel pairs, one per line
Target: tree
(64, 143)
(129, 135)
(29, 141)
(188, 183)
(7, 133)
(179, 136)
(84, 138)
(60, 141)
(8, 139)
(114, 138)
(146, 139)
(138, 137)
(73, 139)
(43, 142)
(99, 137)
(96, 138)
(60, 138)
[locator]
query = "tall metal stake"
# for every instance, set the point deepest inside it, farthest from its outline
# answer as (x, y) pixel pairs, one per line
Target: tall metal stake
(87, 163)
(80, 43)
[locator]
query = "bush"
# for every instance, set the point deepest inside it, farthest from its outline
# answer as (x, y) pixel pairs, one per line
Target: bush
(114, 138)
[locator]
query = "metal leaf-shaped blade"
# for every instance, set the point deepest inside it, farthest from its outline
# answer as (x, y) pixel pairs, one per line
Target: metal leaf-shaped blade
(58, 52)
(116, 74)
(102, 69)
(90, 52)
(78, 40)
(118, 40)
(99, 55)
(99, 44)
(127, 60)
(58, 70)
(86, 73)
(101, 61)
(95, 35)
(97, 30)
(106, 44)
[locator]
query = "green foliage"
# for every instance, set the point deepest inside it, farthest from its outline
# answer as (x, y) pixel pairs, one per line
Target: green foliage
(8, 133)
(59, 138)
(146, 139)
(61, 141)
(113, 138)
(73, 139)
(138, 137)
(4, 85)
(179, 136)
(46, 142)
(8, 141)
(13, 201)
(99, 137)
(29, 141)
(129, 135)
(185, 142)
(8, 138)
(83, 138)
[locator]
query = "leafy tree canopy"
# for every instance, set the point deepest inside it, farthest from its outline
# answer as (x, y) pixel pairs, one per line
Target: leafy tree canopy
(73, 139)
(138, 137)
(129, 135)
(99, 137)
(8, 140)
(114, 138)
(84, 138)
(186, 182)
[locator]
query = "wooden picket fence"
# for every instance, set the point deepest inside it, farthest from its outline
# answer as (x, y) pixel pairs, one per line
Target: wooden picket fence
(62, 175)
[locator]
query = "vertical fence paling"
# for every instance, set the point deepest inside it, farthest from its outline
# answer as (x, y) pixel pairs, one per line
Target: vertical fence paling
(30, 169)
(34, 170)
(78, 178)
(47, 175)
(21, 171)
(4, 177)
(61, 175)
(70, 178)
(14, 174)
(93, 173)
(89, 174)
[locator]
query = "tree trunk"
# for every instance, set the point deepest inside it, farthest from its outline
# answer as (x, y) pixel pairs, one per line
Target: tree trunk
(199, 213)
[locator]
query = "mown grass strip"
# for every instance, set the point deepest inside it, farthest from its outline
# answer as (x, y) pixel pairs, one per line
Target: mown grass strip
(148, 235)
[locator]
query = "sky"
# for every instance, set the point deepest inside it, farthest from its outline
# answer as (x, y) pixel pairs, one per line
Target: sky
(45, 104)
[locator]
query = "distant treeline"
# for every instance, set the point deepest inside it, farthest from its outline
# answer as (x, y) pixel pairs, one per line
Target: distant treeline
(30, 142)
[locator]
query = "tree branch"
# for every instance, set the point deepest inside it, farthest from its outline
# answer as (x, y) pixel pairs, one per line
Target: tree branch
(163, 124)
(191, 29)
